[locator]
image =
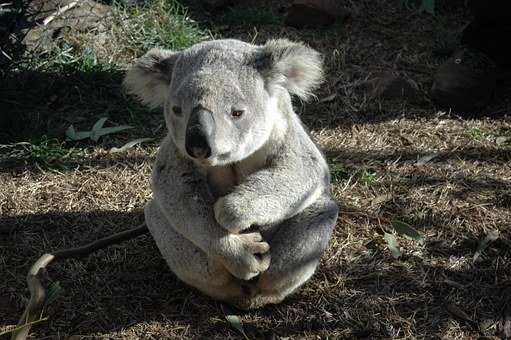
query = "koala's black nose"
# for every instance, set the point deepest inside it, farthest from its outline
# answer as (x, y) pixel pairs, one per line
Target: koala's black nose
(199, 131)
(196, 144)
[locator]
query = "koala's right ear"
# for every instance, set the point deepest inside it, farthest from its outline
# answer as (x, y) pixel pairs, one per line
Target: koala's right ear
(149, 78)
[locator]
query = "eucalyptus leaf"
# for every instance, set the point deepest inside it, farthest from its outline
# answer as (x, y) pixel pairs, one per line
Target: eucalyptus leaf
(130, 145)
(235, 322)
(392, 245)
(72, 134)
(99, 124)
(403, 228)
(426, 158)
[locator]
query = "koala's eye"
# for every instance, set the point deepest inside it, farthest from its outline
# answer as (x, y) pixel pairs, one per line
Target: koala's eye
(177, 110)
(237, 113)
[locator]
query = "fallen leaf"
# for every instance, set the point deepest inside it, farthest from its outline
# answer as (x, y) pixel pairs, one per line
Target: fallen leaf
(407, 230)
(460, 314)
(129, 145)
(483, 244)
(72, 134)
(426, 158)
(392, 245)
(99, 124)
(235, 322)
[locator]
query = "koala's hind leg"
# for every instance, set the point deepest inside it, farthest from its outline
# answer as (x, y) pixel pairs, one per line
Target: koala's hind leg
(295, 250)
(189, 263)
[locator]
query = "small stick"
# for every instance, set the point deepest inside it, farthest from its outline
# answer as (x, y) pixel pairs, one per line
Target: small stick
(60, 11)
(35, 305)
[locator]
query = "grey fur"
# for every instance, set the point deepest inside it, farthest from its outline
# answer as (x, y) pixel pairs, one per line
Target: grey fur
(265, 188)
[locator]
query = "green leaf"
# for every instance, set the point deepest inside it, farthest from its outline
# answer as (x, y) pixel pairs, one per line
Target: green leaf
(72, 134)
(130, 145)
(392, 245)
(53, 292)
(235, 322)
(428, 6)
(403, 228)
(99, 124)
(483, 244)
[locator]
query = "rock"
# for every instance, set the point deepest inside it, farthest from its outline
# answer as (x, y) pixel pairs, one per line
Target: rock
(315, 13)
(388, 85)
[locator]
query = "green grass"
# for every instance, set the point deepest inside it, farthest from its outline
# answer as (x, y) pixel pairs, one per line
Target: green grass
(338, 172)
(78, 83)
(368, 177)
(478, 134)
(47, 153)
(250, 16)
(163, 23)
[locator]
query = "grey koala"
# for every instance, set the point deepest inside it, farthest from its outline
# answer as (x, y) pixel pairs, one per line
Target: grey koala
(237, 178)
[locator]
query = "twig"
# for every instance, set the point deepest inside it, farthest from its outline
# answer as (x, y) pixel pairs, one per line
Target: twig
(35, 305)
(60, 11)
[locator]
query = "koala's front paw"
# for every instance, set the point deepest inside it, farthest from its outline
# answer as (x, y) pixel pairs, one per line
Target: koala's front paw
(244, 255)
(232, 214)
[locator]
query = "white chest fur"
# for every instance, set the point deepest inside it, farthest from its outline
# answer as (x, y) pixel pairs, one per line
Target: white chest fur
(222, 179)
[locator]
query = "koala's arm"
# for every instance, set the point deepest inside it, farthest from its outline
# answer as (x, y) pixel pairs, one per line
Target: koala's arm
(182, 197)
(274, 194)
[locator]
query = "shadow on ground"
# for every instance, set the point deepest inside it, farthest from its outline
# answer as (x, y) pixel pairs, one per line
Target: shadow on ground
(130, 284)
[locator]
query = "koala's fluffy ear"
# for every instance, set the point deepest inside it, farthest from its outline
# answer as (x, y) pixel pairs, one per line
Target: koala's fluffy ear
(292, 65)
(149, 78)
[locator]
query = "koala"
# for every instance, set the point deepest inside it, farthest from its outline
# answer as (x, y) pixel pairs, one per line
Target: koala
(241, 207)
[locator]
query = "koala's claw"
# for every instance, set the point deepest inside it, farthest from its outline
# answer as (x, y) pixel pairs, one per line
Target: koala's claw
(245, 255)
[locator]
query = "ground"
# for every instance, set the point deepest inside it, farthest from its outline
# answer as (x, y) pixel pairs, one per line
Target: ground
(396, 164)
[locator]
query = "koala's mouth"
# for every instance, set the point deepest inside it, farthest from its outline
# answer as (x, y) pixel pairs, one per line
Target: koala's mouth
(214, 160)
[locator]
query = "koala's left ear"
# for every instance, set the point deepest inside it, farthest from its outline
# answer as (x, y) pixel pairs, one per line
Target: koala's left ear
(149, 78)
(292, 65)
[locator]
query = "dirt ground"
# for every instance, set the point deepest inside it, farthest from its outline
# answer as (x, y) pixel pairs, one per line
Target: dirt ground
(393, 162)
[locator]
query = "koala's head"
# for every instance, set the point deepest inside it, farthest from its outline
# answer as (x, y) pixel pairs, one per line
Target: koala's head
(221, 98)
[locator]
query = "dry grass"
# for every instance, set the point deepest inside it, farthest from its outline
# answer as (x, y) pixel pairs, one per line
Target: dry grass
(373, 146)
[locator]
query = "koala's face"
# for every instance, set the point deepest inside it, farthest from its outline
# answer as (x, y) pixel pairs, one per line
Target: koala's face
(219, 97)
(217, 109)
